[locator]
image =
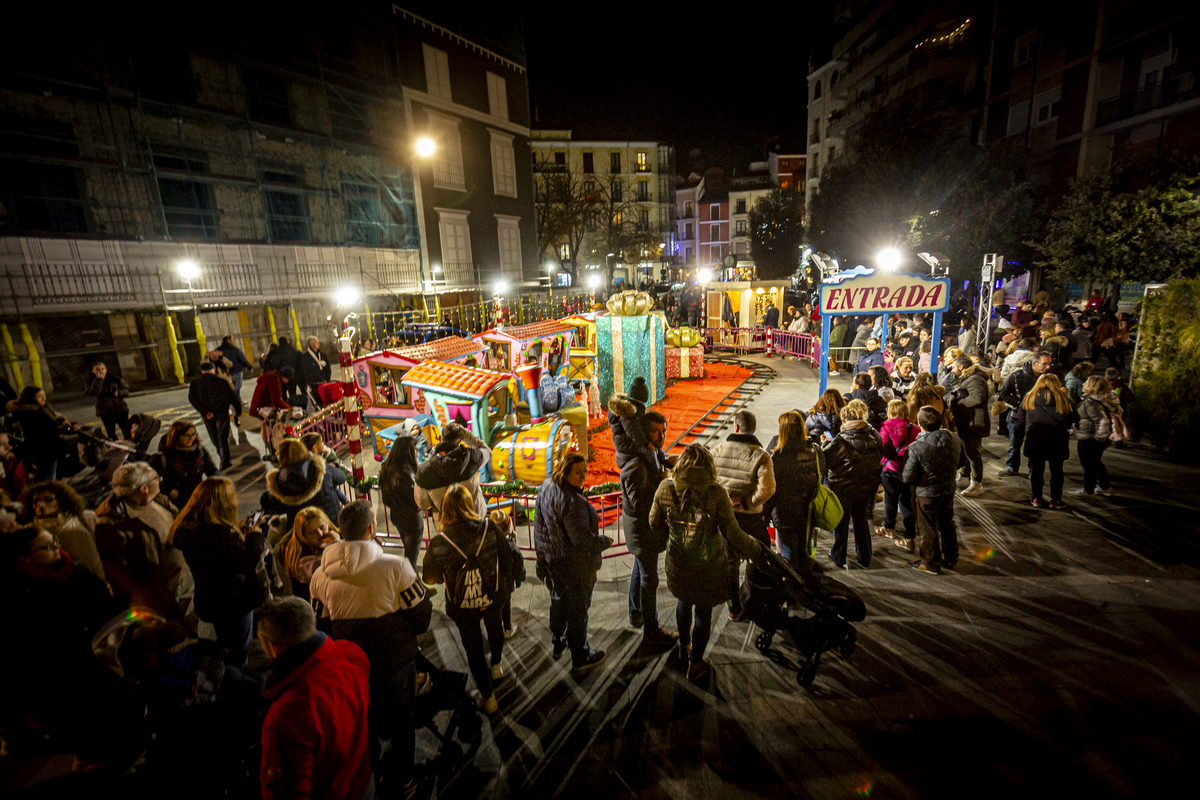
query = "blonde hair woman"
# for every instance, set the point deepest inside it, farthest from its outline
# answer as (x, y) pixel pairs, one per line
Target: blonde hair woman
(301, 481)
(226, 561)
(1048, 418)
(854, 458)
(474, 560)
(300, 549)
(798, 468)
(1099, 415)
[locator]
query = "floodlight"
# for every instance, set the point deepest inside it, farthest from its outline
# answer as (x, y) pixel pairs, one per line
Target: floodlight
(888, 258)
(346, 296)
(187, 269)
(499, 287)
(426, 147)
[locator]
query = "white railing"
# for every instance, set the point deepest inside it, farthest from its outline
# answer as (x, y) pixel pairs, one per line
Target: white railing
(447, 175)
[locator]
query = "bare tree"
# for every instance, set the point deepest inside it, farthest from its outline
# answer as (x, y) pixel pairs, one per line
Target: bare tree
(566, 205)
(619, 226)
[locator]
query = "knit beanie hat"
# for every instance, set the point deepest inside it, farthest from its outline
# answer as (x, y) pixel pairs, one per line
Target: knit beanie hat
(288, 372)
(639, 391)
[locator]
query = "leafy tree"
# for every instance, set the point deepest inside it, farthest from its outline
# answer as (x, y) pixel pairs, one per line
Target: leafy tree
(776, 232)
(1110, 231)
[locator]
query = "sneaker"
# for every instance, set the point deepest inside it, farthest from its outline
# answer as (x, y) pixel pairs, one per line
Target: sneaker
(497, 672)
(1106, 491)
(557, 651)
(489, 706)
(973, 489)
(698, 669)
(1037, 502)
(1082, 492)
(735, 615)
(1057, 504)
(919, 566)
(833, 373)
(907, 544)
(590, 663)
(962, 482)
(887, 533)
(684, 650)
(508, 632)
(660, 637)
(635, 620)
(1007, 473)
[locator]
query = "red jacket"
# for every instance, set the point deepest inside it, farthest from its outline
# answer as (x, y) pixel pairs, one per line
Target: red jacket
(268, 393)
(897, 434)
(314, 736)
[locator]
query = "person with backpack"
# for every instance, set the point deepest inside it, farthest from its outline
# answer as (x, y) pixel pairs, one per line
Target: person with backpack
(897, 434)
(473, 559)
(694, 513)
(457, 459)
(566, 534)
(797, 465)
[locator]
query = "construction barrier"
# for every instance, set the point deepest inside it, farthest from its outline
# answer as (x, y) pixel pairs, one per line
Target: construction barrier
(330, 422)
(800, 346)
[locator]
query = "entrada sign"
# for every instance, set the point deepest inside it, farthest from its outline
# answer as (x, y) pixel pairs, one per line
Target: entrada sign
(868, 291)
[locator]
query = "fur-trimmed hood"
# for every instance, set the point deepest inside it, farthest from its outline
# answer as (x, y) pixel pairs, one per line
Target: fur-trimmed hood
(296, 484)
(625, 407)
(969, 371)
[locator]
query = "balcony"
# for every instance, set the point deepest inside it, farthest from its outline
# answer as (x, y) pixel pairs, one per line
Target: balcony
(558, 168)
(448, 176)
(641, 168)
(456, 273)
(1131, 104)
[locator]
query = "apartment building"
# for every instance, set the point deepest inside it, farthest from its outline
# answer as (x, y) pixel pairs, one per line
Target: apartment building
(703, 227)
(276, 158)
(787, 169)
(637, 177)
(744, 192)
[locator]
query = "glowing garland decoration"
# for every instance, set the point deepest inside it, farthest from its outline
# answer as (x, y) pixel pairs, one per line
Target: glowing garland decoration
(956, 32)
(350, 407)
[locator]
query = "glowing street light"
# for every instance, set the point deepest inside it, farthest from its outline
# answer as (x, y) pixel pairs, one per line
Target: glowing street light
(346, 296)
(704, 276)
(888, 258)
(426, 147)
(187, 269)
(499, 287)
(593, 281)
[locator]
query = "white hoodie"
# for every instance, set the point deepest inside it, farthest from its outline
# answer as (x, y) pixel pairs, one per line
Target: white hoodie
(357, 580)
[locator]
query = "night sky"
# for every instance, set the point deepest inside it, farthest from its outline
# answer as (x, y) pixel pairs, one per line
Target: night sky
(713, 80)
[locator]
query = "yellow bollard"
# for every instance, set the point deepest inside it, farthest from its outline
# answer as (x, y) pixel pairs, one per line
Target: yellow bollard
(271, 324)
(200, 338)
(437, 306)
(370, 328)
(173, 342)
(35, 361)
(295, 327)
(10, 355)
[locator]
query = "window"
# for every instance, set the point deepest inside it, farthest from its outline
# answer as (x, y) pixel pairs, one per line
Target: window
(187, 204)
(504, 165)
(589, 165)
(741, 206)
(508, 231)
(643, 194)
(348, 117)
(714, 253)
(455, 235)
(591, 222)
(447, 163)
(714, 211)
(833, 77)
(642, 164)
(687, 254)
(560, 159)
(741, 226)
(687, 209)
(287, 210)
(1018, 118)
(1155, 69)
(616, 191)
(497, 96)
(266, 97)
(687, 231)
(437, 72)
(832, 153)
(644, 220)
(41, 197)
(1024, 49)
(817, 90)
(739, 248)
(564, 254)
(614, 163)
(589, 186)
(1047, 105)
(715, 234)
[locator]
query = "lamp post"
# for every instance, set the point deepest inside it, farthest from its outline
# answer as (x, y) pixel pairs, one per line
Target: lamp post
(189, 270)
(424, 147)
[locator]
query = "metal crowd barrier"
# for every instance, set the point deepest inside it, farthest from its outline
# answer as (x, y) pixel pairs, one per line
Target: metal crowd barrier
(739, 340)
(800, 346)
(330, 422)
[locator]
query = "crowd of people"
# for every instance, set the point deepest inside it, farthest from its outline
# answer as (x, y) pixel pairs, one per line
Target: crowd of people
(164, 545)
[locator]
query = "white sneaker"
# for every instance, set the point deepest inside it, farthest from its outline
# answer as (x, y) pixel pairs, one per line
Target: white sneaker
(834, 372)
(1081, 491)
(973, 489)
(1106, 492)
(962, 482)
(508, 632)
(497, 672)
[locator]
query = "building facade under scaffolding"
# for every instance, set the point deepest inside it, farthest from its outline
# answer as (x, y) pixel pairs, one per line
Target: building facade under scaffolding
(277, 153)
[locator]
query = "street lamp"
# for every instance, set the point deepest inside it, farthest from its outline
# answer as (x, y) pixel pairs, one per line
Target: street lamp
(704, 276)
(888, 258)
(187, 269)
(426, 147)
(346, 296)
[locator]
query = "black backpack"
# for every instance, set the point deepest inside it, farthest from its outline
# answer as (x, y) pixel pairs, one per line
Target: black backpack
(474, 587)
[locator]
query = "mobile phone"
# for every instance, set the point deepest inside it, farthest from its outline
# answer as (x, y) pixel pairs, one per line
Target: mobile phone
(255, 518)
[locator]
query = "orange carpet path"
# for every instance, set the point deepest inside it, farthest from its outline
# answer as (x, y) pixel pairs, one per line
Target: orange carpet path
(686, 402)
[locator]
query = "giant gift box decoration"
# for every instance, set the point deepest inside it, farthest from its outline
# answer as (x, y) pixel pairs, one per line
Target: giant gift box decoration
(629, 347)
(685, 362)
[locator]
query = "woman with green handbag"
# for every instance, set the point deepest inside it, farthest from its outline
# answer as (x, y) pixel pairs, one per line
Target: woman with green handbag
(799, 467)
(695, 513)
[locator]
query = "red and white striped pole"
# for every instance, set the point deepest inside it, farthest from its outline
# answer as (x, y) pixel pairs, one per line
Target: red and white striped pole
(350, 405)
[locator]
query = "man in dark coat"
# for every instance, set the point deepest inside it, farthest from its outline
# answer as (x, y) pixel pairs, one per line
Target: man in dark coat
(1012, 392)
(876, 405)
(929, 469)
(212, 397)
(284, 355)
(110, 392)
(639, 480)
(771, 316)
(237, 361)
(314, 369)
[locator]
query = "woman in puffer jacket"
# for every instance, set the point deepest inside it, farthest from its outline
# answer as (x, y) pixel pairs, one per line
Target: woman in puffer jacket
(302, 480)
(1097, 409)
(823, 421)
(182, 463)
(896, 435)
(798, 466)
(695, 514)
(852, 460)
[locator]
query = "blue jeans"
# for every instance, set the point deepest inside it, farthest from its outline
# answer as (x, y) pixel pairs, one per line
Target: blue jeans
(643, 590)
(1016, 437)
(792, 546)
(234, 634)
(237, 382)
(695, 626)
(569, 604)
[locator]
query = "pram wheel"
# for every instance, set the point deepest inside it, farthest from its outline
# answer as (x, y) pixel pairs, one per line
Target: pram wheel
(849, 644)
(806, 674)
(763, 641)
